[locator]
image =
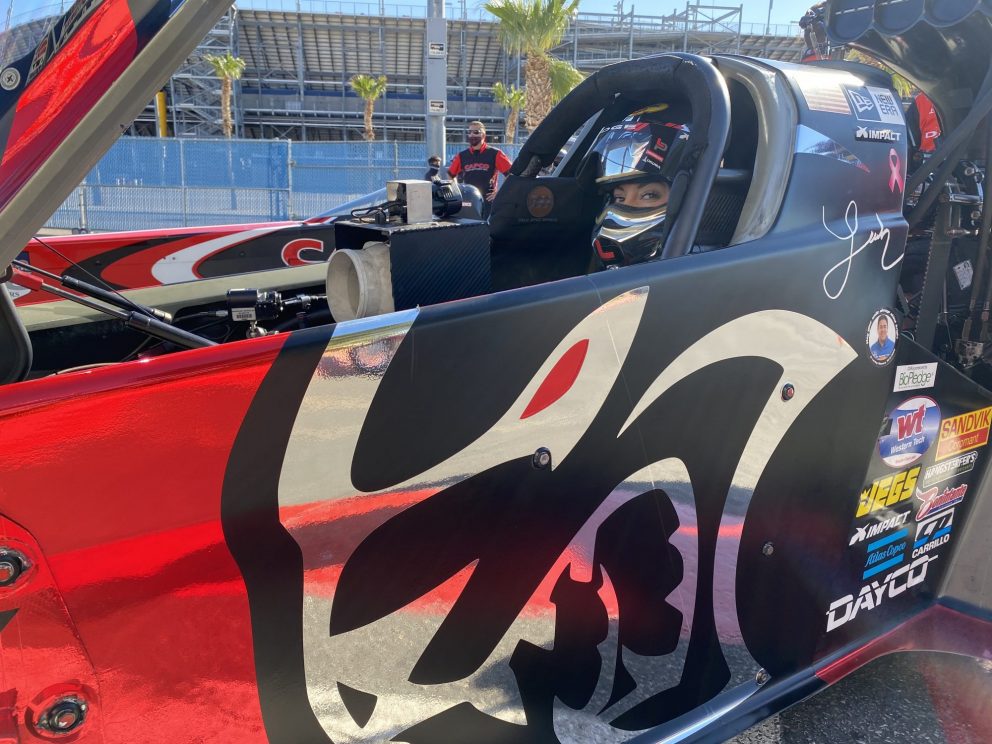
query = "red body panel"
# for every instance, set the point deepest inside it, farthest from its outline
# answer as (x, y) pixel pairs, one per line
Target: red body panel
(161, 632)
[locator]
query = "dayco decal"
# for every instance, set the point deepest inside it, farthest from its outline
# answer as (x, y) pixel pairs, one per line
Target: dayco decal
(912, 429)
(871, 595)
(887, 491)
(878, 528)
(965, 432)
(915, 376)
(942, 471)
(935, 500)
(933, 532)
(866, 134)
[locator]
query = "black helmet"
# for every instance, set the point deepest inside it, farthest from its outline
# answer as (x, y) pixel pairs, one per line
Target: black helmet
(635, 163)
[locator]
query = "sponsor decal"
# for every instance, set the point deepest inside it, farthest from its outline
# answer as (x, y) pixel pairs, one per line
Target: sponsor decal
(59, 33)
(911, 430)
(868, 134)
(875, 104)
(965, 432)
(875, 529)
(885, 553)
(935, 500)
(942, 471)
(882, 334)
(933, 532)
(303, 251)
(540, 201)
(915, 376)
(870, 596)
(887, 491)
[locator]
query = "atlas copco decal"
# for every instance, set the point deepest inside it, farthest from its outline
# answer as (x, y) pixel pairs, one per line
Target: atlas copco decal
(933, 532)
(935, 500)
(885, 553)
(867, 134)
(912, 429)
(887, 491)
(870, 596)
(965, 432)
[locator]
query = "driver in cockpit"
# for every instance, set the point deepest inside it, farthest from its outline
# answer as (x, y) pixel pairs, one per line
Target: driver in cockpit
(636, 162)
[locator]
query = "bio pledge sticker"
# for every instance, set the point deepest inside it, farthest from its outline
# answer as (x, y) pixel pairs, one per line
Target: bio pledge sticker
(912, 429)
(915, 376)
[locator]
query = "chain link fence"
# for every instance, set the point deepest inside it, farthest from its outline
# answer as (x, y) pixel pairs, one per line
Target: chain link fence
(145, 182)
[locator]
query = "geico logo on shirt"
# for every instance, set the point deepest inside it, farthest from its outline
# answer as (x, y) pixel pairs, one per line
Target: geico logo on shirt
(887, 491)
(870, 596)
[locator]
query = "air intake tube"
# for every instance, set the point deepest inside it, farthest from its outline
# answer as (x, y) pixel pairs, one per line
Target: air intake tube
(359, 283)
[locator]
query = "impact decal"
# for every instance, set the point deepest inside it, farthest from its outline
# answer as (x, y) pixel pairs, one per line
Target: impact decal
(870, 596)
(835, 280)
(875, 529)
(881, 336)
(933, 532)
(867, 134)
(915, 377)
(912, 430)
(935, 500)
(885, 553)
(948, 469)
(887, 491)
(965, 432)
(875, 104)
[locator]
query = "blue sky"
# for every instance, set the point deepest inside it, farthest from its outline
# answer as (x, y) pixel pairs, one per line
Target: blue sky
(783, 11)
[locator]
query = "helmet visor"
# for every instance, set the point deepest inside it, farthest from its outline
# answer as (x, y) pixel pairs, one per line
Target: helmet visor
(624, 152)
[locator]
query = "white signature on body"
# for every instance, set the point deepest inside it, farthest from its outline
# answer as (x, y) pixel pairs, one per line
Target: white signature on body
(874, 236)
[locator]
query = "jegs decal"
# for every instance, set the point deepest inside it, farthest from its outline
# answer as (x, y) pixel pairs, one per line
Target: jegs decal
(912, 429)
(887, 491)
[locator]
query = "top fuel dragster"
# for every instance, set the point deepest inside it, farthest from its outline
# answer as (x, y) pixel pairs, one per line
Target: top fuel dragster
(513, 498)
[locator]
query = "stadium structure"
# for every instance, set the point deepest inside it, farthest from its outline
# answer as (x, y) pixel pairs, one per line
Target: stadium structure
(300, 55)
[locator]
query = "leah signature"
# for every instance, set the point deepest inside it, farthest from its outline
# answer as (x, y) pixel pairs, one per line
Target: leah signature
(874, 236)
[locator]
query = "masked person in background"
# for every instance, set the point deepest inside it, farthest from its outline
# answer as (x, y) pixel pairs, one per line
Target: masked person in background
(636, 162)
(480, 165)
(433, 167)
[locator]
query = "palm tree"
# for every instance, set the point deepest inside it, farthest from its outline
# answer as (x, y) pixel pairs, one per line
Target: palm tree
(509, 98)
(564, 77)
(532, 28)
(369, 88)
(228, 68)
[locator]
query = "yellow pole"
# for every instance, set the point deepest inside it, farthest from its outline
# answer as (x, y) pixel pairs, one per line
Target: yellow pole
(160, 112)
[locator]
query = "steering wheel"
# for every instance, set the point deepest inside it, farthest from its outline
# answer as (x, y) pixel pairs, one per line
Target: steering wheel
(655, 78)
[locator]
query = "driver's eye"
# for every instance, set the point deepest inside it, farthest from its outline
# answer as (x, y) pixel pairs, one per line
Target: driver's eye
(618, 196)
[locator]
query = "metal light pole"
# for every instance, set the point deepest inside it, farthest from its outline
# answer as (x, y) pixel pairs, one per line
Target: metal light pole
(768, 23)
(436, 78)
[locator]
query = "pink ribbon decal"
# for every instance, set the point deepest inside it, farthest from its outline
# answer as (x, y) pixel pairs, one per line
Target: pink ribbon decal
(896, 178)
